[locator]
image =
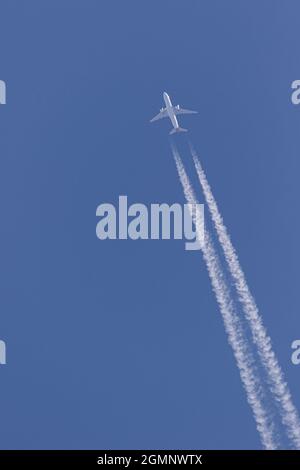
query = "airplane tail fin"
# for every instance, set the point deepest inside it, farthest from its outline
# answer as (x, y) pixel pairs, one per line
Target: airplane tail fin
(178, 129)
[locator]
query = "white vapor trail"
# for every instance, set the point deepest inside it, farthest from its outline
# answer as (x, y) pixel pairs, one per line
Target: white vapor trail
(278, 386)
(243, 356)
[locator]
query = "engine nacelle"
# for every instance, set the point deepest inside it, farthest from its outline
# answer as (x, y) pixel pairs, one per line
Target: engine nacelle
(177, 107)
(161, 110)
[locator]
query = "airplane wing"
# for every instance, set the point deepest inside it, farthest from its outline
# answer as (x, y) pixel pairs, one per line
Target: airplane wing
(178, 110)
(162, 114)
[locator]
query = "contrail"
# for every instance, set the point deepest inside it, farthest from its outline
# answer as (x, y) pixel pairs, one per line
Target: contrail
(243, 356)
(273, 370)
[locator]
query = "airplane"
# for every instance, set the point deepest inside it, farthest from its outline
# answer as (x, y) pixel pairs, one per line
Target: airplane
(171, 112)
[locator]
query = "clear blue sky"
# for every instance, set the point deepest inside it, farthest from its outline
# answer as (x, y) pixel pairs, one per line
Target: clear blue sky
(120, 344)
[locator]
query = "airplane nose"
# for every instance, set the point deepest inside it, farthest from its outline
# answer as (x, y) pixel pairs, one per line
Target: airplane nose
(165, 94)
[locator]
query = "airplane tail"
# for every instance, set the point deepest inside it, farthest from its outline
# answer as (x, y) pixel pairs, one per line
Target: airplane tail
(178, 129)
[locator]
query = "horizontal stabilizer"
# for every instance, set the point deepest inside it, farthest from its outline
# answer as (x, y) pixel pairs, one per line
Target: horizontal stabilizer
(178, 129)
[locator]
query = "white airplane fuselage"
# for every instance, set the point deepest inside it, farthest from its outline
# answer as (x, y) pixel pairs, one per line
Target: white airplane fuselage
(170, 111)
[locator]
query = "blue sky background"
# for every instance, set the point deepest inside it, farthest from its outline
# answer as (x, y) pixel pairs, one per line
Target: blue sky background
(120, 344)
